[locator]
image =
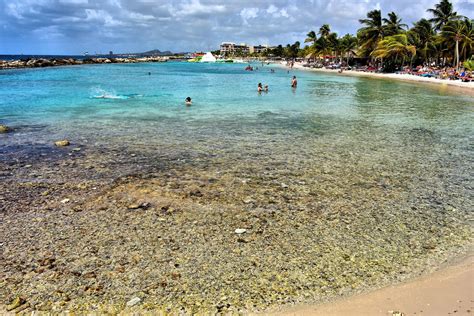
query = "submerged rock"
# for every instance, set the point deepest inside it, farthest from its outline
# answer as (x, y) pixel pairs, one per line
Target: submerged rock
(134, 301)
(17, 302)
(4, 129)
(62, 143)
(136, 206)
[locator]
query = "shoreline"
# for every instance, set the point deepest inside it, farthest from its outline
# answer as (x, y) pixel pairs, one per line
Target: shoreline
(450, 289)
(452, 85)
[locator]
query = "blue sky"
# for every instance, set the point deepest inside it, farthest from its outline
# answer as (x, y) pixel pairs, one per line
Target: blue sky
(77, 26)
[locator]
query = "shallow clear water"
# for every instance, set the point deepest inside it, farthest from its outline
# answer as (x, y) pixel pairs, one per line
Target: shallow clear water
(344, 183)
(81, 101)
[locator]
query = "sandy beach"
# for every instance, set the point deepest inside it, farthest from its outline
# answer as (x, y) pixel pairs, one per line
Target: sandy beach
(452, 85)
(449, 291)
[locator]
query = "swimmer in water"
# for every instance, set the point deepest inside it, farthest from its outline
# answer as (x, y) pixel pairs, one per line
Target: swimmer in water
(294, 83)
(265, 89)
(259, 87)
(188, 101)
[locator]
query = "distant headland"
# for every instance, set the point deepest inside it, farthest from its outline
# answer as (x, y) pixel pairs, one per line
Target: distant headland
(34, 61)
(50, 62)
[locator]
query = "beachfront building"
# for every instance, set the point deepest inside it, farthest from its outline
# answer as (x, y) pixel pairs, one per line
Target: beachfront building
(229, 48)
(258, 49)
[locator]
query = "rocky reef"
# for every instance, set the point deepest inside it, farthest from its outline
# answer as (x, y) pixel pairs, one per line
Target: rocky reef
(112, 230)
(43, 62)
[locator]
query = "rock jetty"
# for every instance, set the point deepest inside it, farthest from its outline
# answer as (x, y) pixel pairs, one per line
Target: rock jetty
(43, 62)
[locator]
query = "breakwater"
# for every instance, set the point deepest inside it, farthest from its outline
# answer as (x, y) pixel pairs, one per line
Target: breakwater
(51, 62)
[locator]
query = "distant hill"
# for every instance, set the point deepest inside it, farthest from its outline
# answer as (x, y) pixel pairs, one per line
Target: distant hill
(156, 52)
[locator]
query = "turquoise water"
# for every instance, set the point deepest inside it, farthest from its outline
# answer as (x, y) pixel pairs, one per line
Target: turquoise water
(105, 101)
(344, 183)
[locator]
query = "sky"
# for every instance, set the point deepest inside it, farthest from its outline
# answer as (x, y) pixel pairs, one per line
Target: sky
(123, 26)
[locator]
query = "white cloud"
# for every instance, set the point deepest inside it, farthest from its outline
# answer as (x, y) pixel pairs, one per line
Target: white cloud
(140, 17)
(182, 25)
(248, 13)
(74, 1)
(272, 9)
(195, 7)
(19, 9)
(275, 12)
(102, 17)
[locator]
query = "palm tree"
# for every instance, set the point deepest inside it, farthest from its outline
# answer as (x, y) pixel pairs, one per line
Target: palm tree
(457, 32)
(348, 45)
(395, 47)
(334, 44)
(321, 46)
(423, 37)
(467, 41)
(393, 25)
(327, 43)
(443, 13)
(324, 30)
(291, 51)
(372, 32)
(311, 37)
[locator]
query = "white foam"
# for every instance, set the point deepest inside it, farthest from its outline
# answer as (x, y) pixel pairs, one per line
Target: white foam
(99, 93)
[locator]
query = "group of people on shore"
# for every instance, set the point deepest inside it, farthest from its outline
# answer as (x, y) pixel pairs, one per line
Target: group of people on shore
(443, 73)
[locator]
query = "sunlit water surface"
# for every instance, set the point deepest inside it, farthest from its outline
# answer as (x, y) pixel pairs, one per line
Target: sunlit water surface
(345, 183)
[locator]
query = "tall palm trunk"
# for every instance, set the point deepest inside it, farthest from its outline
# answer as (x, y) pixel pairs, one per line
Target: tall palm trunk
(456, 54)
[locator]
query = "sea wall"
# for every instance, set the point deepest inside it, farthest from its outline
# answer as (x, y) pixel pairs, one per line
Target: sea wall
(43, 62)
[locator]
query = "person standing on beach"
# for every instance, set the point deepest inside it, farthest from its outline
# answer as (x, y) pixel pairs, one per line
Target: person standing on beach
(294, 82)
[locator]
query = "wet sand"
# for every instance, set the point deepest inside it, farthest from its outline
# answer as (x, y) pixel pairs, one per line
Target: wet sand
(449, 291)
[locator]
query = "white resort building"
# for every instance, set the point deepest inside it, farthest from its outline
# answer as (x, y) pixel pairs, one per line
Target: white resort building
(229, 48)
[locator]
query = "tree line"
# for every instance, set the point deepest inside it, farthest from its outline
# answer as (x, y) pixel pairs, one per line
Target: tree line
(447, 38)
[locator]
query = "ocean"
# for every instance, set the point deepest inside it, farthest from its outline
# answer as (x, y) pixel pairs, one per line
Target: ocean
(341, 185)
(148, 99)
